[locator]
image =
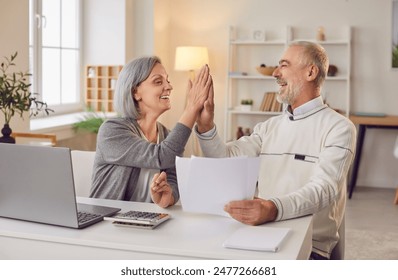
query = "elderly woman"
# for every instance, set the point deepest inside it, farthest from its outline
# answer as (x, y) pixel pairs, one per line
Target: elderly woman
(135, 156)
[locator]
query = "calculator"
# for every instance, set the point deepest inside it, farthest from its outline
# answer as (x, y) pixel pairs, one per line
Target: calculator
(138, 219)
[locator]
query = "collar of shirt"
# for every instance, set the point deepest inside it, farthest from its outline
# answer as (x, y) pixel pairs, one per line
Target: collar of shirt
(306, 107)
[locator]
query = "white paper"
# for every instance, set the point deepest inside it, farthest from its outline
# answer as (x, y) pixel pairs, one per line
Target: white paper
(207, 184)
(257, 238)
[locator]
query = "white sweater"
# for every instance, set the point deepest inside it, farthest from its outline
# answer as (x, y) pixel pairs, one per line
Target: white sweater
(304, 165)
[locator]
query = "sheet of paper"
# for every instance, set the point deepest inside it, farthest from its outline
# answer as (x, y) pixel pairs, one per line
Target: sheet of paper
(207, 184)
(258, 238)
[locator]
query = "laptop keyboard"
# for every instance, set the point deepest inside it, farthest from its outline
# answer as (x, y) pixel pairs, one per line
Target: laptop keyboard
(84, 216)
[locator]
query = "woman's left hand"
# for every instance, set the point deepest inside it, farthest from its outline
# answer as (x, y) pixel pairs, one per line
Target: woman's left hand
(161, 191)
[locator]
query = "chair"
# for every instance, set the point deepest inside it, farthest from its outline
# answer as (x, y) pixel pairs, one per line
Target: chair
(82, 164)
(35, 138)
(339, 249)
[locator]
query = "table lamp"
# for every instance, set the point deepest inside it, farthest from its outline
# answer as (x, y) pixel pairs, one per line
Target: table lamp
(190, 58)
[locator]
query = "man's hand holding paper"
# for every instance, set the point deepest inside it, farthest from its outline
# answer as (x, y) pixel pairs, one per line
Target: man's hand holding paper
(252, 212)
(208, 184)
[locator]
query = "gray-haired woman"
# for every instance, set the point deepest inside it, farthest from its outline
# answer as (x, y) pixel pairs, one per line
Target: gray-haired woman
(135, 155)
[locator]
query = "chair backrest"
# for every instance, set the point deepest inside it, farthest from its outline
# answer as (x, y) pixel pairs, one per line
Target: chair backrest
(82, 163)
(40, 139)
(339, 249)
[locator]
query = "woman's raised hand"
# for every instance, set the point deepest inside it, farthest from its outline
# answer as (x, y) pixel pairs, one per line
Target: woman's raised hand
(198, 89)
(197, 93)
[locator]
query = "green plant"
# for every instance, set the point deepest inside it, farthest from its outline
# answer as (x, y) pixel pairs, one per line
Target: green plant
(246, 102)
(91, 122)
(15, 95)
(395, 56)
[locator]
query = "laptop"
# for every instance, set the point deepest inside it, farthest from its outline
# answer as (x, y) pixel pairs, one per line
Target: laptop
(36, 185)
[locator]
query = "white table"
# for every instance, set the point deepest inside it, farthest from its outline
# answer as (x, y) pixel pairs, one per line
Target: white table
(185, 236)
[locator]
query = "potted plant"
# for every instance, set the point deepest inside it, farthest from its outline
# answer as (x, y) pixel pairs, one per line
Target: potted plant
(246, 104)
(395, 56)
(91, 122)
(88, 128)
(16, 97)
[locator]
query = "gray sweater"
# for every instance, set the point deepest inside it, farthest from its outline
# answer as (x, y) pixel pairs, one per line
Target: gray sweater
(122, 152)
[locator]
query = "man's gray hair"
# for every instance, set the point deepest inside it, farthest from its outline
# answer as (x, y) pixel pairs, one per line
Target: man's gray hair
(131, 76)
(314, 53)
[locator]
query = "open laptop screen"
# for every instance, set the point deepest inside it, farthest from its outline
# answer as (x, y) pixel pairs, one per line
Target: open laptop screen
(36, 184)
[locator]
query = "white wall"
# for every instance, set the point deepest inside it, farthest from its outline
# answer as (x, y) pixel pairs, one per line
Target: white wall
(374, 83)
(116, 31)
(104, 32)
(143, 21)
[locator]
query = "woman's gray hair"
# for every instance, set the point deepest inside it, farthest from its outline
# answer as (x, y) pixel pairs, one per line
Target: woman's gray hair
(314, 53)
(131, 76)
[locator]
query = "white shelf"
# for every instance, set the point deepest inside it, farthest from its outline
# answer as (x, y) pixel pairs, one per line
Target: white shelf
(253, 42)
(330, 42)
(251, 77)
(245, 54)
(337, 78)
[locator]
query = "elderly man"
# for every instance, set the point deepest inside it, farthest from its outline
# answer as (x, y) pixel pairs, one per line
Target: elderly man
(305, 153)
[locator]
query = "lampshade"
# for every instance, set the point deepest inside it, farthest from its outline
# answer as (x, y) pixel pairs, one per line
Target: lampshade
(190, 58)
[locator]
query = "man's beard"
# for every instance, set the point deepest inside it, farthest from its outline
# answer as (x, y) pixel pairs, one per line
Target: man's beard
(290, 94)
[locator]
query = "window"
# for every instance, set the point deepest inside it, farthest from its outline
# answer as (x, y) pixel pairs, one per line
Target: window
(54, 49)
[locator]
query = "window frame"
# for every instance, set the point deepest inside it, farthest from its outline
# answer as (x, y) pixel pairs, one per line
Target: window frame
(35, 59)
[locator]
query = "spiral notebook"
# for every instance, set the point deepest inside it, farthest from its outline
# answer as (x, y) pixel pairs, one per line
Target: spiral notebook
(257, 238)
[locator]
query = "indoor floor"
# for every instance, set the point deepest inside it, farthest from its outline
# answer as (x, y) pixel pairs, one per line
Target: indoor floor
(371, 225)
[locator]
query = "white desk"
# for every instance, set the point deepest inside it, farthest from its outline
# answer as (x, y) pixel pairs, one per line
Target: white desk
(185, 236)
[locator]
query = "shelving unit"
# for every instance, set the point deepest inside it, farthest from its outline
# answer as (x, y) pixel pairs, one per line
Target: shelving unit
(247, 50)
(336, 90)
(100, 86)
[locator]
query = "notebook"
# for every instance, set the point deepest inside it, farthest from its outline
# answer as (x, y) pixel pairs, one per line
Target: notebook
(257, 238)
(36, 185)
